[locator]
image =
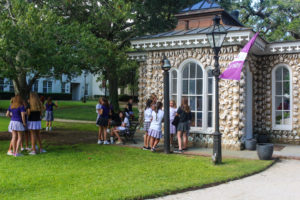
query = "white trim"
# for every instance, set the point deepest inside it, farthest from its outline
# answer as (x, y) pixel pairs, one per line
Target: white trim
(274, 126)
(249, 103)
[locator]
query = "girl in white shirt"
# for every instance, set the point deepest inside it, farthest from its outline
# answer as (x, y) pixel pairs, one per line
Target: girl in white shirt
(155, 127)
(147, 122)
(173, 111)
(124, 127)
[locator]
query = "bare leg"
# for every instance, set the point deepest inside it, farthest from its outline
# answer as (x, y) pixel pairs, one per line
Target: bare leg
(26, 139)
(32, 134)
(99, 133)
(184, 137)
(145, 139)
(47, 124)
(156, 141)
(179, 133)
(38, 135)
(19, 141)
(152, 142)
(116, 133)
(148, 140)
(105, 132)
(14, 141)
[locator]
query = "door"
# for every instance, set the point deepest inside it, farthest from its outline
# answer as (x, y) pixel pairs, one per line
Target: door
(75, 91)
(249, 96)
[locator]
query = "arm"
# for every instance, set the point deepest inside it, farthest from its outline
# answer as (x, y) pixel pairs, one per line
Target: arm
(8, 114)
(100, 111)
(56, 105)
(23, 118)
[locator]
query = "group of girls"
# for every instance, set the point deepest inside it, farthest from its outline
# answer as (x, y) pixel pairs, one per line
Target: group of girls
(109, 122)
(153, 117)
(25, 117)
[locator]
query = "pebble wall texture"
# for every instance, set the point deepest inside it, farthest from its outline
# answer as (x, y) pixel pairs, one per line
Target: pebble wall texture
(232, 93)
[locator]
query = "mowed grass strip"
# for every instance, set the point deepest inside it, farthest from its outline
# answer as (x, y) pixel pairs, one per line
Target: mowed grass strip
(110, 172)
(4, 122)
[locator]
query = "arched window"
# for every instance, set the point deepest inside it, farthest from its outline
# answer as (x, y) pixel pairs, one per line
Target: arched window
(192, 88)
(282, 98)
(174, 85)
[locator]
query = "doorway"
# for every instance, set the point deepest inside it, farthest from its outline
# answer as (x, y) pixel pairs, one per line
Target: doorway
(75, 91)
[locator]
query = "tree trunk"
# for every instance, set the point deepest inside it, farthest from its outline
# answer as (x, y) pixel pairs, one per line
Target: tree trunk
(21, 86)
(113, 90)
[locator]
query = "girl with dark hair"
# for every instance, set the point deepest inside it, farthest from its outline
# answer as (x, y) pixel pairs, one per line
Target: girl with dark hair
(49, 113)
(147, 122)
(173, 110)
(185, 115)
(17, 123)
(102, 121)
(124, 127)
(155, 132)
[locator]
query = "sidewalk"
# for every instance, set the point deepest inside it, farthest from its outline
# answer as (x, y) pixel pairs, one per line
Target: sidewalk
(74, 121)
(284, 151)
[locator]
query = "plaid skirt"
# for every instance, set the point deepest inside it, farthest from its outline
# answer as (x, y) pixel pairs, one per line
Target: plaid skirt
(154, 133)
(146, 126)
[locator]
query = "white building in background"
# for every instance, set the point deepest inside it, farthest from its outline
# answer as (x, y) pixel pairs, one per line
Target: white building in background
(79, 86)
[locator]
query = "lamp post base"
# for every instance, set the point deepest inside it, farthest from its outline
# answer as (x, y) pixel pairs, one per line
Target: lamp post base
(217, 152)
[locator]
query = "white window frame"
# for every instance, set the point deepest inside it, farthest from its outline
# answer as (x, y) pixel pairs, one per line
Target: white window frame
(171, 84)
(210, 129)
(274, 125)
(204, 128)
(47, 86)
(35, 86)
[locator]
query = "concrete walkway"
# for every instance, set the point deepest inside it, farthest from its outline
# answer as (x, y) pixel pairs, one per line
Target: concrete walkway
(75, 121)
(281, 181)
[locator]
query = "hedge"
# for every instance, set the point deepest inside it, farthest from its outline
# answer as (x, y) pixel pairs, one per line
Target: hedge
(125, 97)
(56, 96)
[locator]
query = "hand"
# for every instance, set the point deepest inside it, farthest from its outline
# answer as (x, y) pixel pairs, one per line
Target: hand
(24, 124)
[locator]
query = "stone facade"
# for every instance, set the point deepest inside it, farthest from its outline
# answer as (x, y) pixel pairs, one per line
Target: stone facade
(232, 93)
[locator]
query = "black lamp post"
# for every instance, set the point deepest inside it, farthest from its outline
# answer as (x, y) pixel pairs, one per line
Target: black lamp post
(166, 66)
(216, 36)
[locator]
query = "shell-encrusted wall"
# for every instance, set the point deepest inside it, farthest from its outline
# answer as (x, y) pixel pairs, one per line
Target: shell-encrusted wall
(231, 93)
(262, 90)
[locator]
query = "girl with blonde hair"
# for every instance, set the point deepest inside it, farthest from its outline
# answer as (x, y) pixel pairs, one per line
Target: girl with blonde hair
(17, 123)
(35, 111)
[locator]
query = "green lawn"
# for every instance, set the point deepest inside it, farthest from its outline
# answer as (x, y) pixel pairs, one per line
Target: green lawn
(75, 110)
(110, 172)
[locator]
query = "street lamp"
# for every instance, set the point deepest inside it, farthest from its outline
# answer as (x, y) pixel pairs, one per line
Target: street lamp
(166, 66)
(216, 36)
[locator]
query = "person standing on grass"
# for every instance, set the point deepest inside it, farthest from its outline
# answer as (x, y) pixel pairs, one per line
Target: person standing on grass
(123, 128)
(102, 121)
(98, 107)
(10, 151)
(185, 115)
(17, 123)
(35, 111)
(173, 111)
(26, 138)
(155, 132)
(49, 113)
(147, 122)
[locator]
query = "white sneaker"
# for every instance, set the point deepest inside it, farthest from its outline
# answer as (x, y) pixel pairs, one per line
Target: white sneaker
(47, 128)
(27, 149)
(108, 130)
(43, 151)
(50, 129)
(99, 142)
(18, 154)
(32, 153)
(10, 153)
(106, 142)
(22, 149)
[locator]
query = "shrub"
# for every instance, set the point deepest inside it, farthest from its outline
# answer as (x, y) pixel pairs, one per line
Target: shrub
(125, 97)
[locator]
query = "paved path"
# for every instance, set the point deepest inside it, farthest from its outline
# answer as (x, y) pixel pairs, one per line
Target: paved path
(75, 121)
(280, 182)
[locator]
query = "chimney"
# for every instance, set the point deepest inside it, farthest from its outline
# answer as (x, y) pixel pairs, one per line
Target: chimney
(235, 14)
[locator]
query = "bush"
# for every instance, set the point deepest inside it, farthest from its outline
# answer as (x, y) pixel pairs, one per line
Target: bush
(55, 96)
(125, 97)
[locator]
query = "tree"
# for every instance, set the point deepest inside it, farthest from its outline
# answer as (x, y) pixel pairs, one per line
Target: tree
(274, 19)
(35, 42)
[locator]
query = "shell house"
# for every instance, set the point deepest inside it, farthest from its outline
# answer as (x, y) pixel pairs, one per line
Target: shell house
(264, 101)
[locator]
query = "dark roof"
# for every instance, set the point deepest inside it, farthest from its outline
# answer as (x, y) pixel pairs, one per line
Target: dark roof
(189, 32)
(202, 5)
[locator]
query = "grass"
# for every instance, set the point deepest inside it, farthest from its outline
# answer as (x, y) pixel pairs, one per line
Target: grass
(75, 110)
(4, 121)
(110, 172)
